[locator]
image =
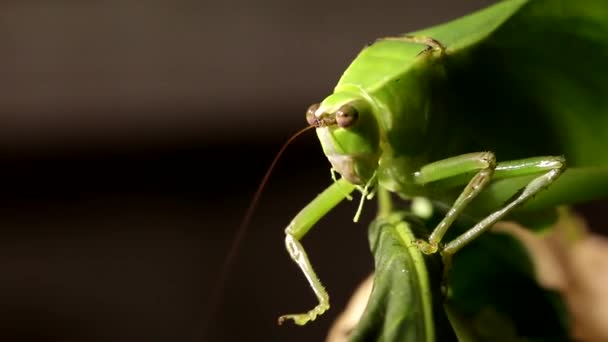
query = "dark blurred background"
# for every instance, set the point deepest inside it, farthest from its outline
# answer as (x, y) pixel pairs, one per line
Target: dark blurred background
(133, 135)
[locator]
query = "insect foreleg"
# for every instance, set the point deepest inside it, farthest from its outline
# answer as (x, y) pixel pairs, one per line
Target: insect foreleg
(335, 179)
(298, 254)
(296, 230)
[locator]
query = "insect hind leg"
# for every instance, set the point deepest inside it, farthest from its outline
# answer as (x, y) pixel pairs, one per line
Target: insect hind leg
(546, 169)
(551, 168)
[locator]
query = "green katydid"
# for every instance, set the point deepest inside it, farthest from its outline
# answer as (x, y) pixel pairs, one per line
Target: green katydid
(389, 125)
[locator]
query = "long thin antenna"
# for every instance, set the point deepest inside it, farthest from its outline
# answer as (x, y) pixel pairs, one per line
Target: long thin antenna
(240, 235)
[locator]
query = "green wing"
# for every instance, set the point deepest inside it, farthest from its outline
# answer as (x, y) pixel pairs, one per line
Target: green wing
(526, 78)
(537, 84)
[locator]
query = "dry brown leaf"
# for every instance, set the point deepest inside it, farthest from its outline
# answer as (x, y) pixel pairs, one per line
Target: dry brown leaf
(573, 262)
(348, 319)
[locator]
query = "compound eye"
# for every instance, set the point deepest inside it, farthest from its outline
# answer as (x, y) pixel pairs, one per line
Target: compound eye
(310, 115)
(346, 116)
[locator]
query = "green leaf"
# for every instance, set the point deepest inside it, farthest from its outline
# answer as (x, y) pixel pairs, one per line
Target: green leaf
(494, 291)
(401, 306)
